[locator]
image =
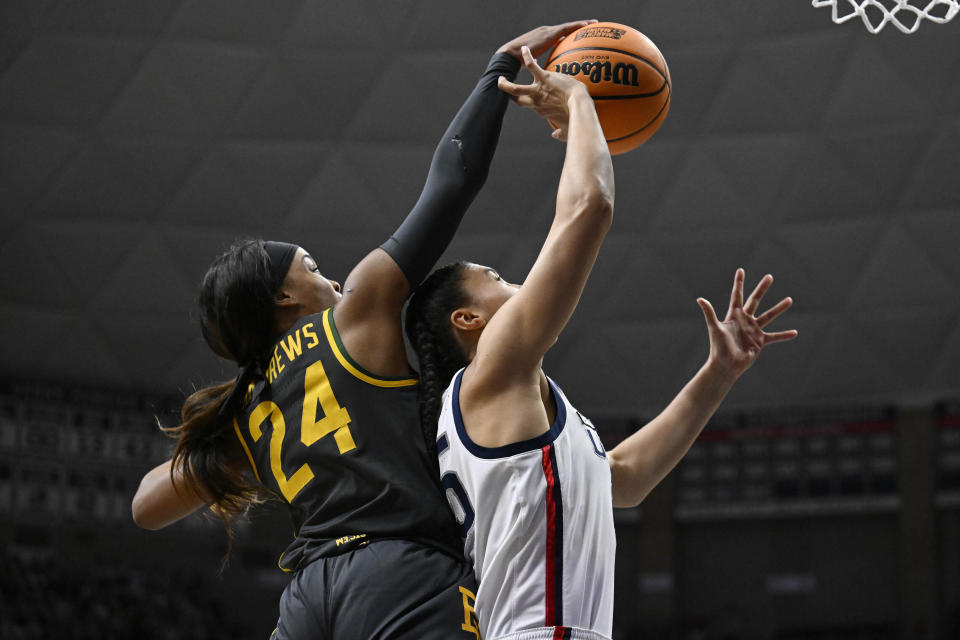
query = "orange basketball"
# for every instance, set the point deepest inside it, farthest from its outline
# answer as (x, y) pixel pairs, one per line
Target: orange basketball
(626, 76)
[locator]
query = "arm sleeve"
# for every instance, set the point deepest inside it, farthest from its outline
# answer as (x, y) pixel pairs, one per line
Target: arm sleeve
(458, 170)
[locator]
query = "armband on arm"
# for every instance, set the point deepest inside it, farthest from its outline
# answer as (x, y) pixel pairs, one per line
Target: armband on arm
(458, 171)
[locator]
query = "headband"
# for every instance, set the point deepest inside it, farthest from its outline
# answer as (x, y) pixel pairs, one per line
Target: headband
(281, 255)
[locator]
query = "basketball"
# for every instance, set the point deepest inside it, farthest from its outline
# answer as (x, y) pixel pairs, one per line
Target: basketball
(626, 75)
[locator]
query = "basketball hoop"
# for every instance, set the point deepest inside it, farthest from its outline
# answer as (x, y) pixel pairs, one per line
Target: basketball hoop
(903, 14)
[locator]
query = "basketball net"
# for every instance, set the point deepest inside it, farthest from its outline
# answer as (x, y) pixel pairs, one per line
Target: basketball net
(900, 13)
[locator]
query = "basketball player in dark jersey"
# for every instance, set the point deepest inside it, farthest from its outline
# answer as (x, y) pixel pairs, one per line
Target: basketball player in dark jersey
(324, 412)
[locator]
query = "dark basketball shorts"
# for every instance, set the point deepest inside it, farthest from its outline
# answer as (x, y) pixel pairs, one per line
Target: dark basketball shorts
(387, 589)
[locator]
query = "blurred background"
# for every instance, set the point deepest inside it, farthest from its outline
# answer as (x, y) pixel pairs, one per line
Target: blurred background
(138, 140)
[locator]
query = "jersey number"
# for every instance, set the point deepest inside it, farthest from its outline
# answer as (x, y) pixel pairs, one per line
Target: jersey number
(317, 394)
(457, 497)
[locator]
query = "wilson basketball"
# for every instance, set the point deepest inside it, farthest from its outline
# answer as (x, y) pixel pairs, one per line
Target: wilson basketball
(626, 75)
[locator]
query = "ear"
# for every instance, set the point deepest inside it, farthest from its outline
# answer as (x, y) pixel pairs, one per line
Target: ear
(466, 319)
(283, 299)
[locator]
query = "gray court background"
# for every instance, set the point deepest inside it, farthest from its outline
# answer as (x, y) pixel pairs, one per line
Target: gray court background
(138, 139)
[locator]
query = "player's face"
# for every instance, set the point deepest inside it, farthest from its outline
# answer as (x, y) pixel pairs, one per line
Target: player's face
(311, 290)
(486, 289)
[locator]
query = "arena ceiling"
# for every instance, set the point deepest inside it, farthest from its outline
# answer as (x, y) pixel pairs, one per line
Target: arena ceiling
(138, 139)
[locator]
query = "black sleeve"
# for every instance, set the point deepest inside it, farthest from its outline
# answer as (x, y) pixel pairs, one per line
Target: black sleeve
(457, 172)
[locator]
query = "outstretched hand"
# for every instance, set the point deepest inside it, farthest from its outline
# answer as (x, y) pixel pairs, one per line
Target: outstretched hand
(547, 95)
(736, 342)
(541, 39)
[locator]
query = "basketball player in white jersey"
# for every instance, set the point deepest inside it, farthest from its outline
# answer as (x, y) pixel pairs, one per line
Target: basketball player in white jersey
(525, 472)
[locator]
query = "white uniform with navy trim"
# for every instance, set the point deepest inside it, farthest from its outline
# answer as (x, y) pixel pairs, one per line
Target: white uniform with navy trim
(537, 522)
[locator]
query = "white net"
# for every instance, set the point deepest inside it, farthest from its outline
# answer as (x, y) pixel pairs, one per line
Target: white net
(905, 15)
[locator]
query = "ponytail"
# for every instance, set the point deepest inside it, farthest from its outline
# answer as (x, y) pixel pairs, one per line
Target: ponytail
(236, 318)
(438, 352)
(204, 442)
(202, 452)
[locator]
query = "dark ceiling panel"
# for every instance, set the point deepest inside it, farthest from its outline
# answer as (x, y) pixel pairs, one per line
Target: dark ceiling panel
(67, 80)
(138, 142)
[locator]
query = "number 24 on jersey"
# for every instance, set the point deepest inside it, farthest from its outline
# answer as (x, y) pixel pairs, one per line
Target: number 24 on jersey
(335, 420)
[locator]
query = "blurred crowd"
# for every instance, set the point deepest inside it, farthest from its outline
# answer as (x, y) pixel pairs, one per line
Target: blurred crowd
(44, 596)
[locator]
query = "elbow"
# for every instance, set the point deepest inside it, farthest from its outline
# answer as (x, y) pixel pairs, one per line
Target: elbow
(475, 177)
(629, 487)
(598, 204)
(454, 173)
(146, 510)
(139, 507)
(141, 519)
(624, 500)
(595, 208)
(142, 516)
(627, 497)
(600, 196)
(604, 206)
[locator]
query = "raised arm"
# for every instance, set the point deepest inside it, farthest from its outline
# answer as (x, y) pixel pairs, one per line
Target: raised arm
(461, 161)
(520, 333)
(641, 461)
(375, 290)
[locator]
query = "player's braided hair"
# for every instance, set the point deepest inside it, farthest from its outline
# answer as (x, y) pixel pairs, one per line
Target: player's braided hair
(236, 318)
(429, 331)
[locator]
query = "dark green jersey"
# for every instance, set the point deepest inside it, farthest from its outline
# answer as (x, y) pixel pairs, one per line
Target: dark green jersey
(343, 447)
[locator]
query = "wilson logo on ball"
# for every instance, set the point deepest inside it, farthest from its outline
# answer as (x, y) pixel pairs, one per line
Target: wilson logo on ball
(599, 32)
(625, 74)
(619, 73)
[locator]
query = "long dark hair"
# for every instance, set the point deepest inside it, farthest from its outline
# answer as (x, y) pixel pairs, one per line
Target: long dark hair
(237, 322)
(429, 331)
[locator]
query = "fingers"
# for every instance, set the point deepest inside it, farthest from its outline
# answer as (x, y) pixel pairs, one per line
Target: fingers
(559, 134)
(543, 38)
(569, 27)
(756, 296)
(530, 63)
(708, 313)
(770, 314)
(520, 90)
(513, 89)
(780, 336)
(736, 296)
(558, 32)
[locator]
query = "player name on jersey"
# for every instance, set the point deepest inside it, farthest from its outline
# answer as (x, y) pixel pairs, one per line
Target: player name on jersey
(292, 345)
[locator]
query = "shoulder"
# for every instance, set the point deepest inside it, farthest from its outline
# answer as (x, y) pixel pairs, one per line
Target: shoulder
(375, 285)
(377, 358)
(498, 413)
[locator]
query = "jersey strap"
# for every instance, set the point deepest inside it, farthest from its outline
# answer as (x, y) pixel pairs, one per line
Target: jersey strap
(507, 450)
(336, 346)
